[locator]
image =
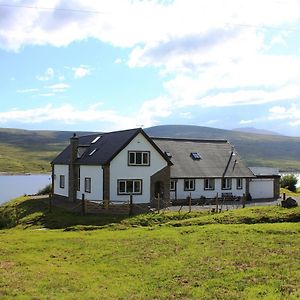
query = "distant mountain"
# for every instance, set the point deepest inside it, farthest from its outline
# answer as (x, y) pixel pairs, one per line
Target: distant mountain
(32, 151)
(256, 149)
(256, 130)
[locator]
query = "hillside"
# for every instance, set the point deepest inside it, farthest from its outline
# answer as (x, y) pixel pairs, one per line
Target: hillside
(31, 151)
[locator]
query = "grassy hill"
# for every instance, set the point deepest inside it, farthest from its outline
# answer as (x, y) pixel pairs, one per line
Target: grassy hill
(237, 254)
(31, 151)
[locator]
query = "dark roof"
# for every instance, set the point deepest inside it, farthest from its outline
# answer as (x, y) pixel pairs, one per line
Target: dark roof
(218, 159)
(104, 149)
(264, 171)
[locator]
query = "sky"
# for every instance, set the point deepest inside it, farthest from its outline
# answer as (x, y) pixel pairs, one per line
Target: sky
(108, 65)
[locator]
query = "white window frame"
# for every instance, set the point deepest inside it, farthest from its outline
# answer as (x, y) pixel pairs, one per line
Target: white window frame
(62, 181)
(135, 156)
(209, 184)
(239, 183)
(136, 184)
(87, 184)
(190, 184)
(173, 185)
(226, 183)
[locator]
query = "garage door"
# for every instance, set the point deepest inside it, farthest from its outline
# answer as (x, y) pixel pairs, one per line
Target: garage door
(261, 188)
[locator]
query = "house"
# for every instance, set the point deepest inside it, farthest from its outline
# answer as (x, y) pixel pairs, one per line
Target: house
(111, 166)
(266, 184)
(205, 168)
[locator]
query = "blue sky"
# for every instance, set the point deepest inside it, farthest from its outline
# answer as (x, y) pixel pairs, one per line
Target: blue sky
(109, 65)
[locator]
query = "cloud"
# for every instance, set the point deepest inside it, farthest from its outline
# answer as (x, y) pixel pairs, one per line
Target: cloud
(118, 61)
(23, 91)
(58, 88)
(146, 115)
(48, 75)
(81, 71)
(290, 114)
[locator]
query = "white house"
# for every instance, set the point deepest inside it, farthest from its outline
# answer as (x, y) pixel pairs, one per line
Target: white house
(111, 166)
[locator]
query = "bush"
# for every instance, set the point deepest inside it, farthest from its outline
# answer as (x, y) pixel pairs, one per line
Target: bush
(289, 182)
(46, 190)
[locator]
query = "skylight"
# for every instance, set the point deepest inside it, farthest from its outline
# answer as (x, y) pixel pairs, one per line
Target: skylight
(93, 152)
(195, 156)
(96, 139)
(168, 154)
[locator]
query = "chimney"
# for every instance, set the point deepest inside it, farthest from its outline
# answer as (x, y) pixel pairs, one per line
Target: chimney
(74, 141)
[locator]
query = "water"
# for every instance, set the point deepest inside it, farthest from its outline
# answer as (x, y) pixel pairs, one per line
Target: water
(12, 186)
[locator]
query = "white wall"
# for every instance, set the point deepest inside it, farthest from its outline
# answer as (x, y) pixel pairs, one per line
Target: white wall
(199, 189)
(96, 175)
(119, 169)
(61, 170)
(261, 188)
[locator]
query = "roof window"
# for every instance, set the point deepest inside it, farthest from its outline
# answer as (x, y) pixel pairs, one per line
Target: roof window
(168, 154)
(195, 156)
(95, 140)
(93, 152)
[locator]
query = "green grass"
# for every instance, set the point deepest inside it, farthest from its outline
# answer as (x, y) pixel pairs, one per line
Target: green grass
(209, 262)
(236, 254)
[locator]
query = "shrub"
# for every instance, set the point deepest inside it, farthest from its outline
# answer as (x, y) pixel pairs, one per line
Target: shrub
(289, 182)
(46, 190)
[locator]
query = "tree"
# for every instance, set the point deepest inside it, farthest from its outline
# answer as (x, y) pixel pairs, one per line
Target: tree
(289, 182)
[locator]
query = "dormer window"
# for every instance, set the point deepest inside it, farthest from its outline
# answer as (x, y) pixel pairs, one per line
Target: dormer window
(138, 158)
(195, 156)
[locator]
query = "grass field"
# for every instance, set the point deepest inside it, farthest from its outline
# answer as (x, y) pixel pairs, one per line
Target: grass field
(155, 256)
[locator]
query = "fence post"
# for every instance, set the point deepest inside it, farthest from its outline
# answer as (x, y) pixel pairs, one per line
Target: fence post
(50, 203)
(82, 205)
(217, 203)
(158, 203)
(190, 202)
(283, 197)
(130, 205)
(243, 200)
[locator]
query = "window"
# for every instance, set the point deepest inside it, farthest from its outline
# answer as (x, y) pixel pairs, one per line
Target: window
(87, 184)
(173, 185)
(62, 181)
(189, 184)
(139, 158)
(239, 183)
(92, 152)
(95, 140)
(195, 156)
(209, 184)
(129, 186)
(169, 154)
(226, 183)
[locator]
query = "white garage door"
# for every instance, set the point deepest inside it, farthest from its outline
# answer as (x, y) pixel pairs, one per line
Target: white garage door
(261, 188)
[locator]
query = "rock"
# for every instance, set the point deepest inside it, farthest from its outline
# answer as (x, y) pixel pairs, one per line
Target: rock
(289, 203)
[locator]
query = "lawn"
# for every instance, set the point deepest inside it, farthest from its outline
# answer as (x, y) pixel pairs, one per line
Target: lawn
(154, 256)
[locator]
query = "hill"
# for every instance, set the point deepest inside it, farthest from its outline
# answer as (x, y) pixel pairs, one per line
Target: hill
(23, 151)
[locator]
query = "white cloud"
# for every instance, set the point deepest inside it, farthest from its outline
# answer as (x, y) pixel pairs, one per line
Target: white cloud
(81, 71)
(118, 61)
(291, 114)
(107, 119)
(48, 75)
(243, 122)
(58, 88)
(23, 91)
